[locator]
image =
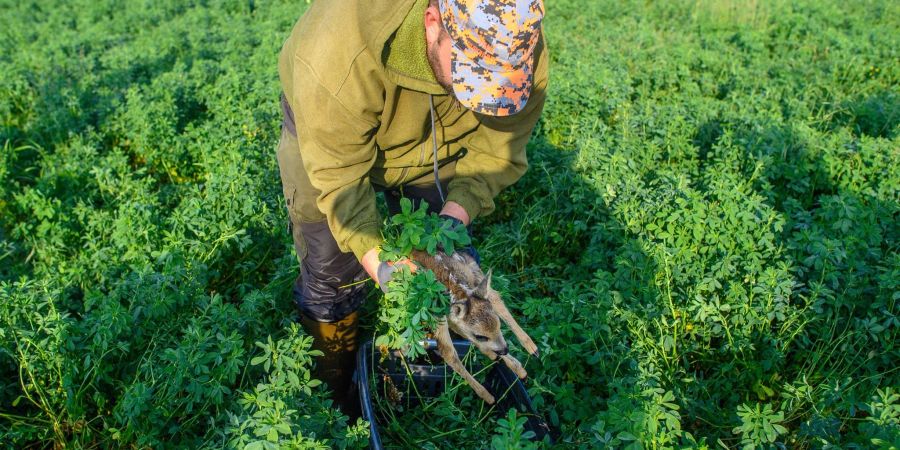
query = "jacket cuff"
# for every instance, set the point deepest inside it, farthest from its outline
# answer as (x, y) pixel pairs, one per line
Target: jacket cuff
(364, 238)
(469, 201)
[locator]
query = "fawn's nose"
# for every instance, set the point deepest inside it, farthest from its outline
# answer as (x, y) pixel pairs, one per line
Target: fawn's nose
(503, 351)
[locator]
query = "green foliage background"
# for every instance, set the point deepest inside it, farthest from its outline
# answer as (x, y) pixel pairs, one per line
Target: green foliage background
(705, 247)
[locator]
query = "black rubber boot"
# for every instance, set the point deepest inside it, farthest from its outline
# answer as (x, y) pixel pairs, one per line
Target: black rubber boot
(338, 343)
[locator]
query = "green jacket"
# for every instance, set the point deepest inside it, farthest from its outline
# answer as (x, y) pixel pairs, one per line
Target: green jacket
(356, 76)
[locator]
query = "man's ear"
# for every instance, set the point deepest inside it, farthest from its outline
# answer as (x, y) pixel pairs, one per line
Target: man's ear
(433, 24)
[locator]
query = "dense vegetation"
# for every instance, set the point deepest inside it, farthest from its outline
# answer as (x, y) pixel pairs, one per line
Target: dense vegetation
(705, 247)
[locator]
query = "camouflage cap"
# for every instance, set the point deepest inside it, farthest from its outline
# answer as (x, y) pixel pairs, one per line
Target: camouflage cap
(492, 52)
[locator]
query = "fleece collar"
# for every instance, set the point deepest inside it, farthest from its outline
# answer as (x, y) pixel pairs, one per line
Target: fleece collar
(404, 54)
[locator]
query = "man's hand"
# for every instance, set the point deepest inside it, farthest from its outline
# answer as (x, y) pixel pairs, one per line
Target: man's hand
(456, 211)
(381, 271)
(469, 249)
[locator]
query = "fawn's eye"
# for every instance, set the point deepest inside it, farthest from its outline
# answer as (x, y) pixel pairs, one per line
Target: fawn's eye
(481, 338)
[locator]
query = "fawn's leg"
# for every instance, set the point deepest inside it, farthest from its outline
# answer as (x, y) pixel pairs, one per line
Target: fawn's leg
(510, 362)
(500, 308)
(448, 352)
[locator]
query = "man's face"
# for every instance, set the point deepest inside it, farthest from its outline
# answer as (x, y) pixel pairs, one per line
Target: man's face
(437, 44)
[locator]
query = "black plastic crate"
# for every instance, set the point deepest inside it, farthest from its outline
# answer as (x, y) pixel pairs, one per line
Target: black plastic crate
(428, 377)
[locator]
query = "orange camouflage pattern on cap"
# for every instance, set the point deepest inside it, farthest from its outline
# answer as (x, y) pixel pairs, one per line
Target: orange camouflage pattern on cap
(492, 52)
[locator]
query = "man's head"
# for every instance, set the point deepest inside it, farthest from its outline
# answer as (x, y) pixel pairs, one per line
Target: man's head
(482, 51)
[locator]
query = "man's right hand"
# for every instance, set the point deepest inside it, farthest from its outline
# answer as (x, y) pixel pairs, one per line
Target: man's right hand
(384, 274)
(381, 271)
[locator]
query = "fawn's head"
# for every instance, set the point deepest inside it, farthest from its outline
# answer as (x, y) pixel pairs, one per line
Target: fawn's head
(473, 318)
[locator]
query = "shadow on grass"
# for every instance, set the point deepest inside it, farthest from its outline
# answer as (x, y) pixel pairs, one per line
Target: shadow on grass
(840, 241)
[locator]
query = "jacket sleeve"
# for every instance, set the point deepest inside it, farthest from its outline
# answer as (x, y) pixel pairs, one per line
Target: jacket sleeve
(496, 157)
(337, 146)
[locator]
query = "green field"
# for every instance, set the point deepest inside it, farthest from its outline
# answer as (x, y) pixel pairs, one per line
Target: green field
(705, 247)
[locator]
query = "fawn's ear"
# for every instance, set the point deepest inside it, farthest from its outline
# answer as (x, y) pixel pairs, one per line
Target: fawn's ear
(458, 310)
(481, 291)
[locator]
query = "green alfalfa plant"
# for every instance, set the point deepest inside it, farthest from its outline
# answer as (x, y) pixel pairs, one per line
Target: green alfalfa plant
(412, 305)
(639, 417)
(33, 333)
(285, 410)
(417, 229)
(415, 302)
(511, 433)
(760, 426)
(882, 427)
